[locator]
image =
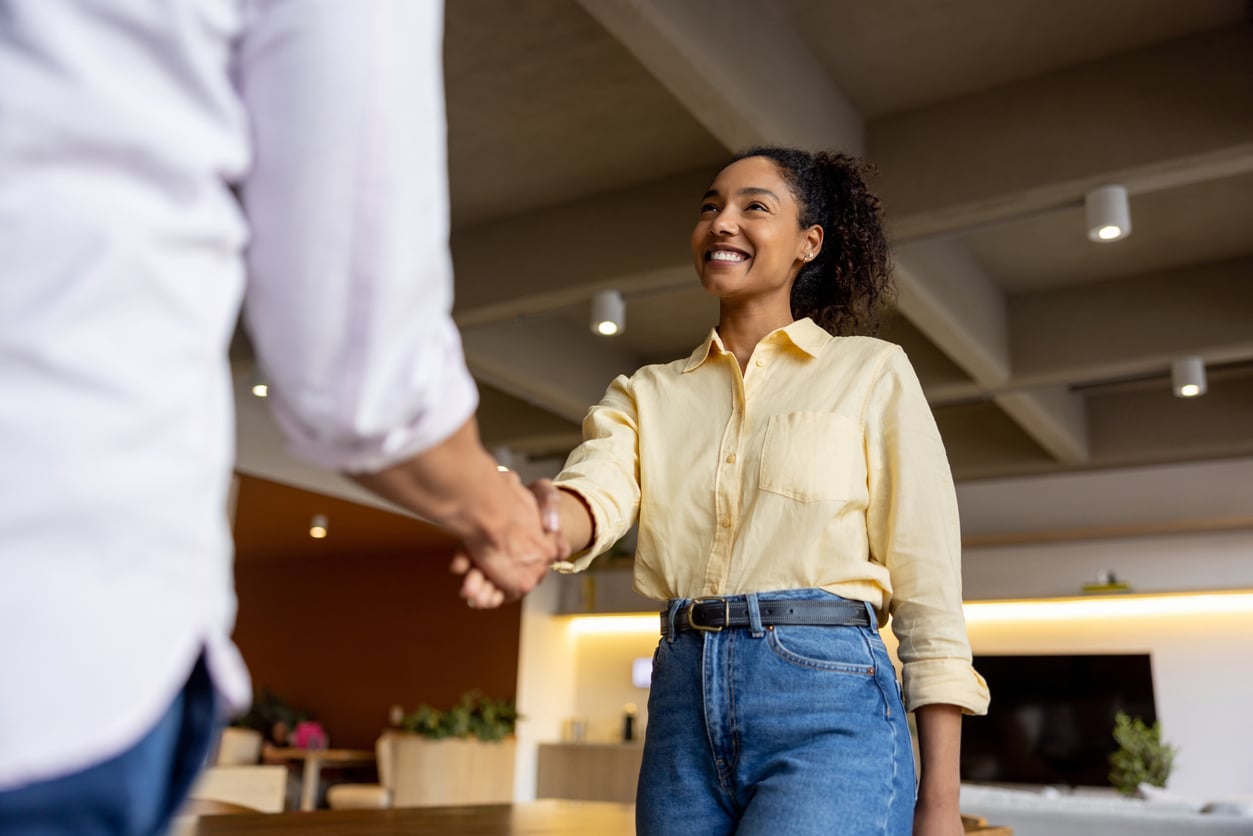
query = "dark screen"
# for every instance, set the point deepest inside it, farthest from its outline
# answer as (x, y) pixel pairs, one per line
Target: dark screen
(1052, 717)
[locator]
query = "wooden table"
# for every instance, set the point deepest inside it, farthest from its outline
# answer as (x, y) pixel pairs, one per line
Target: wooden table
(314, 759)
(550, 818)
(980, 826)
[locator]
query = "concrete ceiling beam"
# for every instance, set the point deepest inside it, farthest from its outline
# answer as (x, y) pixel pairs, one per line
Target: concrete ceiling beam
(739, 69)
(1155, 118)
(551, 364)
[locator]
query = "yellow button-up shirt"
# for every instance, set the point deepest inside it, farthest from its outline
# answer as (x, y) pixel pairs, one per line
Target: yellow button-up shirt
(819, 466)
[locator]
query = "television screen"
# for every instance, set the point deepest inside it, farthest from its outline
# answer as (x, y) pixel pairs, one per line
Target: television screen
(1052, 717)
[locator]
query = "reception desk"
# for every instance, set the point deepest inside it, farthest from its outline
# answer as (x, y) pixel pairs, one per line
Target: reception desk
(588, 771)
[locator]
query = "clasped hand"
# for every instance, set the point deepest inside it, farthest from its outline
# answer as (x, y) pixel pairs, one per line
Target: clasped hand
(514, 562)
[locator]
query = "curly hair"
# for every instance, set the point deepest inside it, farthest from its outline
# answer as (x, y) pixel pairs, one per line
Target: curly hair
(847, 287)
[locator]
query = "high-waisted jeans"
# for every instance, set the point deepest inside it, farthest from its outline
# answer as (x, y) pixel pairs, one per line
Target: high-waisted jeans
(783, 730)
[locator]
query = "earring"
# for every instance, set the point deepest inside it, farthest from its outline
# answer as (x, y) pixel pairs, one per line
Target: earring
(809, 256)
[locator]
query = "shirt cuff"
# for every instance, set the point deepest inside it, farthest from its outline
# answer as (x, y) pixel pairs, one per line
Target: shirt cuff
(946, 682)
(351, 451)
(601, 538)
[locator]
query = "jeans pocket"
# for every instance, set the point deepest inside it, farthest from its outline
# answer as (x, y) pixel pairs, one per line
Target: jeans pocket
(834, 649)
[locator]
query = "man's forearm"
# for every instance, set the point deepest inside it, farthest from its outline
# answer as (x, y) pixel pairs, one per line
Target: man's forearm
(454, 484)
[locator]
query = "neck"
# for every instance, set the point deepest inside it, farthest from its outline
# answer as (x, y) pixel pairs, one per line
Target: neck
(741, 328)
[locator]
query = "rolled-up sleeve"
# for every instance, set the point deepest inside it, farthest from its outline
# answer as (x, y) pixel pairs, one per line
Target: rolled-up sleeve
(605, 471)
(913, 530)
(350, 276)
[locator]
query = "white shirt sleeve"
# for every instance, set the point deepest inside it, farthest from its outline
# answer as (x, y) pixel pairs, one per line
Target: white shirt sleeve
(350, 277)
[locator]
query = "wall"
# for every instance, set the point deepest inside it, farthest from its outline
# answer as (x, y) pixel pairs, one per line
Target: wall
(1202, 678)
(346, 640)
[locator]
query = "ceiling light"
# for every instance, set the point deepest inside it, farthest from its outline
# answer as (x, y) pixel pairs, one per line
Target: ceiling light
(318, 527)
(1187, 376)
(257, 382)
(608, 313)
(1109, 213)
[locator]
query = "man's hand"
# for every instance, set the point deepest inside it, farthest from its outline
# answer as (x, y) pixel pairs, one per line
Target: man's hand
(456, 484)
(478, 588)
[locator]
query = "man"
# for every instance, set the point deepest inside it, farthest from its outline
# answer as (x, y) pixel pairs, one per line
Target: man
(123, 126)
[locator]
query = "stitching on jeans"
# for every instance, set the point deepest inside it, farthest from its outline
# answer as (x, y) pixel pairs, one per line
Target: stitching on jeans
(887, 812)
(709, 730)
(732, 723)
(887, 699)
(791, 657)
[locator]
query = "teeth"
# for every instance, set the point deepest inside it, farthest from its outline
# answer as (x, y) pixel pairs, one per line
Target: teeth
(723, 255)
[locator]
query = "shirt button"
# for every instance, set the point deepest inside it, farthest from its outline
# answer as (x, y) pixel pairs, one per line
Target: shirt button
(761, 362)
(731, 459)
(726, 522)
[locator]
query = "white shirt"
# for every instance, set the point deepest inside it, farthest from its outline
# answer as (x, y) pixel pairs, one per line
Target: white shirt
(122, 266)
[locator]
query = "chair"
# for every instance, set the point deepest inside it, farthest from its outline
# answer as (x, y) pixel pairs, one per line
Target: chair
(368, 796)
(237, 747)
(260, 789)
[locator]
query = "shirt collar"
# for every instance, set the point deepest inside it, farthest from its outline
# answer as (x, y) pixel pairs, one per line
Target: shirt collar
(804, 334)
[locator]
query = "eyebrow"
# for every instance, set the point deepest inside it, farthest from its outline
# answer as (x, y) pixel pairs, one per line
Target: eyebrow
(752, 190)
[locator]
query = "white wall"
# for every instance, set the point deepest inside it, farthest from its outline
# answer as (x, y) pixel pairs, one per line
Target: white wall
(546, 686)
(1202, 678)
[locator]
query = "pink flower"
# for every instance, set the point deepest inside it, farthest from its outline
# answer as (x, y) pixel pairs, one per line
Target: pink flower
(309, 735)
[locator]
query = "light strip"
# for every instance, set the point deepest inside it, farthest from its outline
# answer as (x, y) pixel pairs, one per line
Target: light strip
(1111, 606)
(586, 625)
(977, 612)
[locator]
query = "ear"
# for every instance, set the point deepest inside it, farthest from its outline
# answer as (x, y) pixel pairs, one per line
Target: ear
(811, 243)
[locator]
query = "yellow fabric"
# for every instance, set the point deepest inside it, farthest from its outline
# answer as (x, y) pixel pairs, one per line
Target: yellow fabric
(821, 466)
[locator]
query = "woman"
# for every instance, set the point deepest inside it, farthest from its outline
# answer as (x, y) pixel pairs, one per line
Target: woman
(792, 491)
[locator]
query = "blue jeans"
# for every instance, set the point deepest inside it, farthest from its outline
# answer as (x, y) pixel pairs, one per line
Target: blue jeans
(137, 792)
(796, 730)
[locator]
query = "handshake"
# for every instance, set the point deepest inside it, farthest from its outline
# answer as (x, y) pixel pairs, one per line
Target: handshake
(510, 534)
(510, 559)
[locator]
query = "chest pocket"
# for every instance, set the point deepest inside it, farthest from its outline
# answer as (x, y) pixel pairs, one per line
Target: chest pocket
(813, 457)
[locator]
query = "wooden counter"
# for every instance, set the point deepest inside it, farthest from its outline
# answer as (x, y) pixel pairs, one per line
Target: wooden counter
(589, 771)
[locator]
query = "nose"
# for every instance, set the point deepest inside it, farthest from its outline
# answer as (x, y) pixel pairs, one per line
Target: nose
(723, 224)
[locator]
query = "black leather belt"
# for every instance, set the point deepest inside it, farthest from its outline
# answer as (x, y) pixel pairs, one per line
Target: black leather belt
(712, 615)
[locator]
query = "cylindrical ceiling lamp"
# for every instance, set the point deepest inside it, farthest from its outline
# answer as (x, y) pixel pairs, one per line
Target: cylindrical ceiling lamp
(1109, 213)
(260, 388)
(319, 527)
(608, 313)
(1187, 376)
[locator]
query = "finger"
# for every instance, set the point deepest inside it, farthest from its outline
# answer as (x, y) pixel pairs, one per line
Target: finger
(460, 564)
(472, 585)
(549, 503)
(560, 547)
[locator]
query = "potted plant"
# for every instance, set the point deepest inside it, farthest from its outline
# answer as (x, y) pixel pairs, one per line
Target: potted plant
(463, 755)
(1142, 756)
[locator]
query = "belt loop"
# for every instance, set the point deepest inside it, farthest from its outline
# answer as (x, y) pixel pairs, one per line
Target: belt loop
(874, 616)
(754, 616)
(671, 610)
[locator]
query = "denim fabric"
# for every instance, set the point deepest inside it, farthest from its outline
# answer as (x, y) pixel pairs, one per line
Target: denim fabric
(761, 730)
(135, 793)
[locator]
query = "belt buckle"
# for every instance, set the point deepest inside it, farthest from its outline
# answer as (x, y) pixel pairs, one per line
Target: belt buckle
(704, 628)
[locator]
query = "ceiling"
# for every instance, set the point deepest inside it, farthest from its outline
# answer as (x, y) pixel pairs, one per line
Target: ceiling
(582, 132)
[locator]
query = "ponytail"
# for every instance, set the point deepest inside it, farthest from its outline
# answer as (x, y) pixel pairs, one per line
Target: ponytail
(847, 287)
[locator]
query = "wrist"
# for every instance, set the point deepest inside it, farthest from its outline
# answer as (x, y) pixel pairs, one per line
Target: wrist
(939, 793)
